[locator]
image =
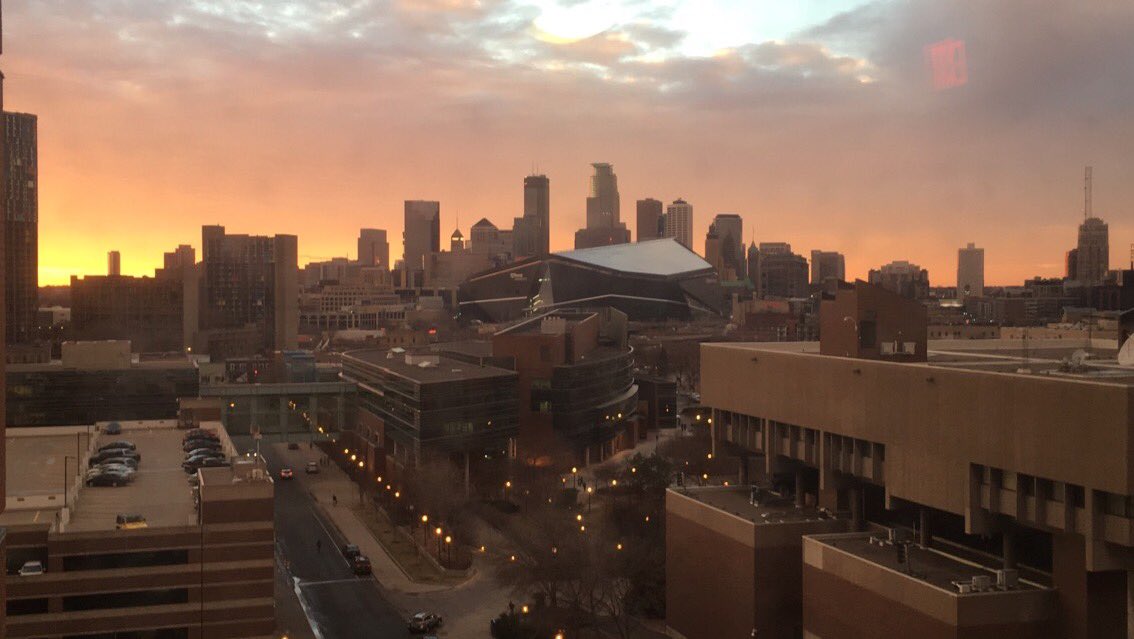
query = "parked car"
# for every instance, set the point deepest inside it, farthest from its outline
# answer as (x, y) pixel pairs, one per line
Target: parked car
(360, 565)
(194, 444)
(121, 469)
(129, 522)
(31, 568)
(201, 432)
(424, 622)
(104, 455)
(128, 462)
(286, 473)
(107, 478)
(192, 465)
(350, 551)
(312, 468)
(118, 444)
(113, 428)
(202, 452)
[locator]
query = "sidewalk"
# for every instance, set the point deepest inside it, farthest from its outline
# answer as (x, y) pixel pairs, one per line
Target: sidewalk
(332, 482)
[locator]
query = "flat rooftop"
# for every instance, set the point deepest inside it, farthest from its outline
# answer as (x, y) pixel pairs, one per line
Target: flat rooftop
(769, 508)
(160, 491)
(932, 566)
(1045, 358)
(446, 369)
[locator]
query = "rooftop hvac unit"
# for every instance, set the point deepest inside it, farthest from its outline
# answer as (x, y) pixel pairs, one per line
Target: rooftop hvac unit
(982, 583)
(1007, 578)
(963, 588)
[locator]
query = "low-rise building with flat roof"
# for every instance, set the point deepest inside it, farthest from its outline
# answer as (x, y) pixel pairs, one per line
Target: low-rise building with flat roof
(197, 563)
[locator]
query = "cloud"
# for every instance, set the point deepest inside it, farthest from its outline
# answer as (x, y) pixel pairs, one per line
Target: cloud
(319, 118)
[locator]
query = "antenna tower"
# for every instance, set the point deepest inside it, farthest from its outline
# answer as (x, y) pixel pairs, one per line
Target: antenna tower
(1087, 208)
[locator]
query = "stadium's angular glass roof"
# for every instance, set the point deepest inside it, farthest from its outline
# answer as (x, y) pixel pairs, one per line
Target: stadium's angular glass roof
(653, 257)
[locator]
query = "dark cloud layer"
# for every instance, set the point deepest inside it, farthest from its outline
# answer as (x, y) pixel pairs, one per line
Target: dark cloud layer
(321, 117)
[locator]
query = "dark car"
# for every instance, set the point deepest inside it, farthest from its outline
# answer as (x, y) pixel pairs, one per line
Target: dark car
(204, 452)
(128, 462)
(104, 455)
(360, 565)
(424, 622)
(350, 551)
(116, 445)
(107, 478)
(192, 465)
(194, 444)
(113, 428)
(293, 445)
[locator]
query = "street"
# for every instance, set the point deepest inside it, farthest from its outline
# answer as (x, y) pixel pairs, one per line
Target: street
(338, 604)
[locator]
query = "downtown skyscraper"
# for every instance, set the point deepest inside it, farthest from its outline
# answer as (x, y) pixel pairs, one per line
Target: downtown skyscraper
(970, 272)
(531, 234)
(422, 236)
(679, 222)
(373, 248)
(604, 224)
(21, 222)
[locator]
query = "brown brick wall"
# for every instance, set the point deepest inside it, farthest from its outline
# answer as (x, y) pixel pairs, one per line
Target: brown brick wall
(710, 582)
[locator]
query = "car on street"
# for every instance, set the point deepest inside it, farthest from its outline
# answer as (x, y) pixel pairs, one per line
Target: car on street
(130, 521)
(360, 565)
(31, 568)
(107, 478)
(424, 622)
(350, 551)
(312, 468)
(286, 473)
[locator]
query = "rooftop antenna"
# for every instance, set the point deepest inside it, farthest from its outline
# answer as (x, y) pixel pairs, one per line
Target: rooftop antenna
(1087, 208)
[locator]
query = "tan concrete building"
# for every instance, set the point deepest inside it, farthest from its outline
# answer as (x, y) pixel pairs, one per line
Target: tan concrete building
(989, 442)
(201, 567)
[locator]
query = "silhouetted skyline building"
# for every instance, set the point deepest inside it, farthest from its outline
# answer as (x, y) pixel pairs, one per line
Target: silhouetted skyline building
(422, 234)
(249, 293)
(827, 266)
(679, 222)
(650, 213)
(114, 263)
(21, 221)
(970, 272)
(778, 272)
(1093, 255)
(604, 226)
(902, 277)
(729, 230)
(373, 248)
(531, 234)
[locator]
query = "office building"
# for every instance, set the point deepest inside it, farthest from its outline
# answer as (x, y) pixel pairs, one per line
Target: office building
(826, 267)
(21, 227)
(422, 235)
(202, 565)
(249, 293)
(650, 218)
(576, 389)
(902, 277)
(724, 246)
(447, 269)
(531, 234)
(970, 271)
(97, 381)
(373, 248)
(486, 239)
(430, 404)
(147, 311)
(604, 225)
(1093, 252)
(679, 222)
(113, 264)
(649, 281)
(776, 272)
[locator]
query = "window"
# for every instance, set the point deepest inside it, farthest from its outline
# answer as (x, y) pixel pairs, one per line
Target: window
(867, 334)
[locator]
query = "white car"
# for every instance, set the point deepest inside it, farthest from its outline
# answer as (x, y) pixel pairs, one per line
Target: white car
(31, 568)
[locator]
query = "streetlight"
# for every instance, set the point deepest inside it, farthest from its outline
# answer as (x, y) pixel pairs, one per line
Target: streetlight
(590, 493)
(507, 485)
(424, 521)
(437, 532)
(448, 551)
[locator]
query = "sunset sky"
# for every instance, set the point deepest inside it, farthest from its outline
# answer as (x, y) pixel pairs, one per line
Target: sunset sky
(816, 121)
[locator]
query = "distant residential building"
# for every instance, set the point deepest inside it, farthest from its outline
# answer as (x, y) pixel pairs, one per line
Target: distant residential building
(422, 234)
(1093, 251)
(114, 263)
(249, 289)
(650, 219)
(902, 277)
(970, 271)
(373, 248)
(531, 234)
(778, 272)
(21, 227)
(604, 226)
(827, 266)
(679, 222)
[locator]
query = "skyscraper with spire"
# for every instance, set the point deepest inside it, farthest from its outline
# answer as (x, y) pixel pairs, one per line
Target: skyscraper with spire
(1093, 250)
(604, 224)
(531, 234)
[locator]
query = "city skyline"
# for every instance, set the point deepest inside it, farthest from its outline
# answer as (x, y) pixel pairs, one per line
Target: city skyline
(140, 80)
